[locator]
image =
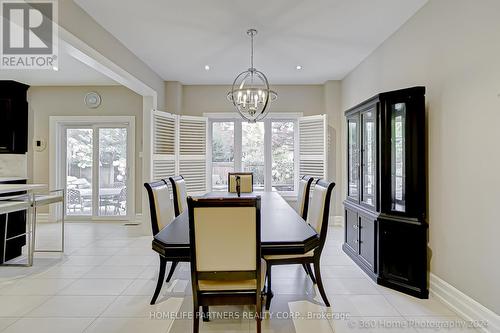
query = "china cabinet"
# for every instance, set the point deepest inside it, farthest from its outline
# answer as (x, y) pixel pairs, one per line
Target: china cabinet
(386, 229)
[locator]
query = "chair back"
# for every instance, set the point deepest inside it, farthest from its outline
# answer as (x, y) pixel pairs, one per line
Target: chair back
(246, 181)
(303, 195)
(160, 205)
(180, 194)
(225, 238)
(73, 196)
(319, 209)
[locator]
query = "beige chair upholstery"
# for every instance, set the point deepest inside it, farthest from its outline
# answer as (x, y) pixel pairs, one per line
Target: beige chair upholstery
(180, 194)
(160, 204)
(303, 195)
(246, 185)
(225, 238)
(317, 208)
(163, 205)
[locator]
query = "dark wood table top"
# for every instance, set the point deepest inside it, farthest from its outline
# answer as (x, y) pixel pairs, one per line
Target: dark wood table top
(283, 230)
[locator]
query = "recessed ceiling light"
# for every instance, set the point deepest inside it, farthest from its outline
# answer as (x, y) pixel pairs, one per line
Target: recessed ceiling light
(298, 67)
(207, 68)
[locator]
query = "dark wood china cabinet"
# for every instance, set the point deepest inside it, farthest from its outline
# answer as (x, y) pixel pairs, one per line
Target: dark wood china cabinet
(386, 229)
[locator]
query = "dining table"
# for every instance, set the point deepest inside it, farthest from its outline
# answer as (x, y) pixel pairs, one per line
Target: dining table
(283, 230)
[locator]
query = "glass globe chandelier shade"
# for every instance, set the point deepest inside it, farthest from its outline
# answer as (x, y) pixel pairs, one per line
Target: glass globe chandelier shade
(250, 92)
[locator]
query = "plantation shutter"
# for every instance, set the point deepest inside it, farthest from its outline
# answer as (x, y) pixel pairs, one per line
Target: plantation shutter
(313, 145)
(193, 153)
(164, 135)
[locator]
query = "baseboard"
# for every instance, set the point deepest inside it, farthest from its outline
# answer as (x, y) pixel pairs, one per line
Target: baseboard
(463, 305)
(336, 221)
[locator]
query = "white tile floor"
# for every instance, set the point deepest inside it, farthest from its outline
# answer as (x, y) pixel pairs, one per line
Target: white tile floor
(104, 282)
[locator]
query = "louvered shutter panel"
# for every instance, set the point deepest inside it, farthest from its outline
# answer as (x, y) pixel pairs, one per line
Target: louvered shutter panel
(164, 136)
(193, 153)
(313, 139)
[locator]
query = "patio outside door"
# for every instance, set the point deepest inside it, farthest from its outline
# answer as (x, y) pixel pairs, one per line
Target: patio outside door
(97, 171)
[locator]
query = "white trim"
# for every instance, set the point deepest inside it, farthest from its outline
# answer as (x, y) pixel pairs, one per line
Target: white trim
(57, 160)
(463, 305)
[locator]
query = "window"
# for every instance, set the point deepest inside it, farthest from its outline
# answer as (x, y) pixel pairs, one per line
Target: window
(267, 148)
(283, 150)
(252, 152)
(222, 153)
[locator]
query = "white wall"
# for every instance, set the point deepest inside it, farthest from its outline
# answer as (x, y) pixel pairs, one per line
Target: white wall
(68, 101)
(452, 47)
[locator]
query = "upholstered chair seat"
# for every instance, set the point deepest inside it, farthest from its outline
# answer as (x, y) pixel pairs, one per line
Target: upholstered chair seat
(207, 285)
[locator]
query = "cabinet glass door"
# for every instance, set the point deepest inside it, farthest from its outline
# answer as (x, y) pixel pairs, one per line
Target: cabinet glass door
(398, 164)
(368, 158)
(353, 158)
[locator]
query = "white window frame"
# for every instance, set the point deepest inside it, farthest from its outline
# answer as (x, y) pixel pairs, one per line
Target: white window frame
(237, 120)
(57, 160)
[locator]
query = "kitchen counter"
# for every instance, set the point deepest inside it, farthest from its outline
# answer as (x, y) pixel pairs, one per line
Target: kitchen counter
(10, 179)
(13, 188)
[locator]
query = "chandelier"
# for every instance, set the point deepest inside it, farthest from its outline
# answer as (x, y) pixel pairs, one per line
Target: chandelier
(250, 92)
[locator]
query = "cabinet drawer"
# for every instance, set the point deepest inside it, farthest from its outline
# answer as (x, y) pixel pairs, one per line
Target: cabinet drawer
(352, 230)
(367, 241)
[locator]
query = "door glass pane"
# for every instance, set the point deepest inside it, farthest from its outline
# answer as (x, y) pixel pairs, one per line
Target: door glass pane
(252, 152)
(282, 152)
(79, 147)
(112, 172)
(398, 173)
(222, 154)
(353, 144)
(369, 158)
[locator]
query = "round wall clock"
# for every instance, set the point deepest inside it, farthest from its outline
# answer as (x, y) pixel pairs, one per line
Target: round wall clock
(92, 100)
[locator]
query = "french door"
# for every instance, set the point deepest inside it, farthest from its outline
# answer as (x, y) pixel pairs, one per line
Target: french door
(96, 170)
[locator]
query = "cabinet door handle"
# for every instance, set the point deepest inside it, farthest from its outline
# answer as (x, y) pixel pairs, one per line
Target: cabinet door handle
(357, 241)
(355, 226)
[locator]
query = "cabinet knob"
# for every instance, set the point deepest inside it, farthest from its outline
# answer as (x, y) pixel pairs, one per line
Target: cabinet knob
(355, 226)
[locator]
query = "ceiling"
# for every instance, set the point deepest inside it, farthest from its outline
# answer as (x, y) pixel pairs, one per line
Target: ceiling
(71, 72)
(328, 38)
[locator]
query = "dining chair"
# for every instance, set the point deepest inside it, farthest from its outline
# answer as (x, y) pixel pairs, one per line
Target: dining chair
(317, 218)
(246, 181)
(180, 194)
(161, 213)
(226, 264)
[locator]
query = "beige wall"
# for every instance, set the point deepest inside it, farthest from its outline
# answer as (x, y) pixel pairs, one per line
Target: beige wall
(197, 99)
(68, 101)
(452, 47)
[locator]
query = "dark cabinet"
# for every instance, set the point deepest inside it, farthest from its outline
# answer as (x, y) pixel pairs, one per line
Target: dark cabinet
(386, 231)
(13, 118)
(367, 241)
